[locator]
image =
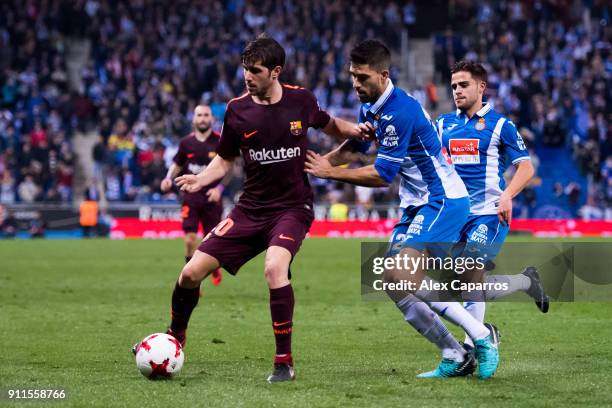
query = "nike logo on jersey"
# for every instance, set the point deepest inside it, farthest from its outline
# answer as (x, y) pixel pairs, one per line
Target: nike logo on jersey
(248, 135)
(282, 236)
(387, 117)
(451, 126)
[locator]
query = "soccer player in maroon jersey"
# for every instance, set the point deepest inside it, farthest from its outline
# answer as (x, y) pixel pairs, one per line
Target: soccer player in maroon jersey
(267, 126)
(195, 152)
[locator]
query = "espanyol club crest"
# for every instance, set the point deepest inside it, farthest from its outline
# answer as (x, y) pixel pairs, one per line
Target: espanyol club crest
(481, 124)
(295, 127)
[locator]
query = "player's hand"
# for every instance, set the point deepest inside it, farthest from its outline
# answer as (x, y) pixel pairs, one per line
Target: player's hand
(317, 165)
(166, 185)
(504, 210)
(367, 131)
(214, 195)
(189, 183)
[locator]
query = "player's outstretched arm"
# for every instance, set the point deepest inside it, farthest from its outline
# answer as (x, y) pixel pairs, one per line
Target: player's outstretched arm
(343, 154)
(344, 129)
(366, 176)
(524, 173)
(216, 170)
(173, 171)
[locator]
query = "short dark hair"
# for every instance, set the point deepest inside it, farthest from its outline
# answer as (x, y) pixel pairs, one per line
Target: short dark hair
(475, 68)
(264, 50)
(373, 53)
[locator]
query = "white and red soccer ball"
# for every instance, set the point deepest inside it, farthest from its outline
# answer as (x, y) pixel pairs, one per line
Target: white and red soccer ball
(159, 356)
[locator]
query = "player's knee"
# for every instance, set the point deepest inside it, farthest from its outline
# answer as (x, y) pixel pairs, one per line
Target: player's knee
(191, 274)
(190, 239)
(274, 272)
(391, 276)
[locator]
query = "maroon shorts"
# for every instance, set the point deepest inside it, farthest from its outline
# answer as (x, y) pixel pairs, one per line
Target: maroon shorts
(208, 214)
(243, 235)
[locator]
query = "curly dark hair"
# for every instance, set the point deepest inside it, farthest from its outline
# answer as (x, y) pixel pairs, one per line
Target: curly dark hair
(265, 50)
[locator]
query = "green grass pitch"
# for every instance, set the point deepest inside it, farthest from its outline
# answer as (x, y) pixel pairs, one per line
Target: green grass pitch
(71, 310)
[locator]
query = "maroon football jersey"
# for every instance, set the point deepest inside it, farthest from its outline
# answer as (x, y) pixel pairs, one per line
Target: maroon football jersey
(193, 156)
(273, 143)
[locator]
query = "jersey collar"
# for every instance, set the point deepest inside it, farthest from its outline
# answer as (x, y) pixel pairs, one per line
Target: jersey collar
(483, 111)
(383, 98)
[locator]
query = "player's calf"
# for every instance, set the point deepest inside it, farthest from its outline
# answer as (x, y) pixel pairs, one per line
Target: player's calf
(281, 310)
(184, 300)
(186, 293)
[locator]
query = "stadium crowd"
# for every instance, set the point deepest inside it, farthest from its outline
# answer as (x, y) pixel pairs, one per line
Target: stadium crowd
(151, 62)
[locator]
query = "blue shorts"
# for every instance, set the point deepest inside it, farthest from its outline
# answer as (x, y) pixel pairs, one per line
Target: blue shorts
(484, 235)
(434, 226)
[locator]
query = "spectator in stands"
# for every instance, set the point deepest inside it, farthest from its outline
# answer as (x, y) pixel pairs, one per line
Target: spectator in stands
(100, 158)
(28, 190)
(7, 188)
(432, 94)
(64, 175)
(338, 210)
(572, 192)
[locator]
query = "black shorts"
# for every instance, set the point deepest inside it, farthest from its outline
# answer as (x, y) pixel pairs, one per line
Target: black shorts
(243, 235)
(208, 215)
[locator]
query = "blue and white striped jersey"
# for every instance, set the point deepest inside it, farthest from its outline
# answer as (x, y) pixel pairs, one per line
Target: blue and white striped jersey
(481, 148)
(409, 145)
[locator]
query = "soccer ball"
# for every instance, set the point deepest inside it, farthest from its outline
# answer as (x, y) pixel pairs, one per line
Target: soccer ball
(159, 356)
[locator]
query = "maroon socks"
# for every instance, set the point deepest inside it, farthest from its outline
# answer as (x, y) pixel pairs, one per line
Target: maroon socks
(184, 300)
(281, 308)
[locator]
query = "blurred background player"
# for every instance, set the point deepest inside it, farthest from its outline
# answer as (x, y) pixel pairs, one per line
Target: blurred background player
(434, 203)
(195, 152)
(268, 127)
(481, 143)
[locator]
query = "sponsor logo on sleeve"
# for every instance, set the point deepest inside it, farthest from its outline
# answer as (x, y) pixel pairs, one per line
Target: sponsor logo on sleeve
(520, 142)
(390, 138)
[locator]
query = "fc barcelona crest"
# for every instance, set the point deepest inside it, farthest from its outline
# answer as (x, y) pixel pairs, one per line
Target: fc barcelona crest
(295, 127)
(481, 124)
